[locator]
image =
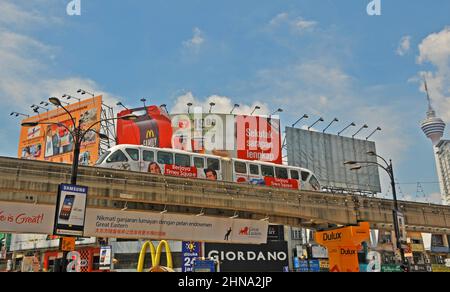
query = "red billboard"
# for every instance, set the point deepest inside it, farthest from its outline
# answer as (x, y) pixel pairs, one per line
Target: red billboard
(152, 128)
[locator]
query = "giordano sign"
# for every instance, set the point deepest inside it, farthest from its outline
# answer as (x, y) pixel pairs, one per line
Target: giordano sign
(156, 257)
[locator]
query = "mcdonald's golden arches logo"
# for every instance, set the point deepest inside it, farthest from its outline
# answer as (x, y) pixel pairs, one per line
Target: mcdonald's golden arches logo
(150, 134)
(156, 257)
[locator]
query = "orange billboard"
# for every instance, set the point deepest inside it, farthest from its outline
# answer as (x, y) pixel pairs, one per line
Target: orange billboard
(51, 140)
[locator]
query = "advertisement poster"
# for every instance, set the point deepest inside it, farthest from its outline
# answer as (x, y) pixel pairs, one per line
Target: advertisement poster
(190, 252)
(146, 225)
(26, 218)
(70, 214)
(51, 141)
(105, 258)
(281, 183)
(151, 128)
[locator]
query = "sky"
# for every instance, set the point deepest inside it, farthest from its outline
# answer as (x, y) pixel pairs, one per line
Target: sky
(324, 58)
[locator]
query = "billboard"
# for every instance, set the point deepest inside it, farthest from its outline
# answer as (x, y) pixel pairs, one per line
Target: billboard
(270, 257)
(151, 128)
(243, 137)
(325, 154)
(51, 140)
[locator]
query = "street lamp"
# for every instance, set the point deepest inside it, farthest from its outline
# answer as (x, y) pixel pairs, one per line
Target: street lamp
(68, 97)
(121, 104)
(363, 127)
(280, 110)
(319, 120)
(211, 105)
(234, 107)
(388, 167)
(83, 92)
(78, 134)
(37, 107)
(298, 121)
(371, 134)
(16, 114)
(335, 120)
(351, 125)
(255, 109)
(164, 106)
(190, 104)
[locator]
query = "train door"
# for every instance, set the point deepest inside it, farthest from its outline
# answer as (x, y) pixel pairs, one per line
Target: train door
(240, 172)
(147, 160)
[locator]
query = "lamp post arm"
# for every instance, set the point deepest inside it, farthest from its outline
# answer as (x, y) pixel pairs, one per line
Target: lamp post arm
(376, 163)
(71, 117)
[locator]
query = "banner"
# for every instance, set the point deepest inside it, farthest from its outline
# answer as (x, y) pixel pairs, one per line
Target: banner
(69, 217)
(51, 141)
(156, 226)
(26, 218)
(189, 252)
(281, 183)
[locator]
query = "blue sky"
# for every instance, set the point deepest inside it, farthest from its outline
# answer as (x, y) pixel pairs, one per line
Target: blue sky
(321, 57)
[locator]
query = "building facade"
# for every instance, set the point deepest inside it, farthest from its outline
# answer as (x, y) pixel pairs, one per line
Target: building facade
(443, 161)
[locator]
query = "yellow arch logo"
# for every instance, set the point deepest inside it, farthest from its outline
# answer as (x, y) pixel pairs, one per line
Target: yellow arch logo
(156, 257)
(150, 134)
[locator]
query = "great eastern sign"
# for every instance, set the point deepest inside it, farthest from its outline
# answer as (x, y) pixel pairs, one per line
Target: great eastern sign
(270, 257)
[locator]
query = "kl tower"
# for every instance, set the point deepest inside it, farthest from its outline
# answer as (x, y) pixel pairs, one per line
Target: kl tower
(434, 127)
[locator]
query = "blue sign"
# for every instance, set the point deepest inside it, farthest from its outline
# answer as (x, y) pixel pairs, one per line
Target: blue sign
(189, 252)
(304, 267)
(296, 263)
(314, 266)
(207, 266)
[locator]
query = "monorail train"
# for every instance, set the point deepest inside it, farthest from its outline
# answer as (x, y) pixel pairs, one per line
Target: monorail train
(180, 163)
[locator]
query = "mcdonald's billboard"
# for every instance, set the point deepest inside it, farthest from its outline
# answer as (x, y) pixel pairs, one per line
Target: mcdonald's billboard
(151, 128)
(53, 142)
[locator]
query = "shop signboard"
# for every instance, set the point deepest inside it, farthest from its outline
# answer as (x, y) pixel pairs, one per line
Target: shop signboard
(304, 267)
(204, 266)
(70, 214)
(275, 232)
(314, 266)
(190, 252)
(270, 257)
(26, 218)
(440, 268)
(391, 268)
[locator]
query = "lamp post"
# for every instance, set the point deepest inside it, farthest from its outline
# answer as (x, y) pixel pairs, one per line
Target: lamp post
(280, 110)
(78, 134)
(189, 105)
(234, 107)
(388, 167)
(319, 120)
(351, 125)
(298, 121)
(363, 127)
(371, 134)
(255, 109)
(335, 120)
(69, 97)
(83, 92)
(211, 105)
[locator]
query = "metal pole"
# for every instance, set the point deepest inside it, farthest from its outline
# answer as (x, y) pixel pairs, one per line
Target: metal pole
(396, 227)
(76, 156)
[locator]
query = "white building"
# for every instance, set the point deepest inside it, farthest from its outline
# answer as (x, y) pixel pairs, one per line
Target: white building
(434, 127)
(443, 162)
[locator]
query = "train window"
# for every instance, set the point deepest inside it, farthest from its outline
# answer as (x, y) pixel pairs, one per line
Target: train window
(165, 157)
(254, 169)
(199, 162)
(314, 183)
(294, 174)
(148, 156)
(240, 167)
(117, 156)
(182, 160)
(267, 170)
(134, 153)
(102, 157)
(281, 172)
(305, 175)
(213, 163)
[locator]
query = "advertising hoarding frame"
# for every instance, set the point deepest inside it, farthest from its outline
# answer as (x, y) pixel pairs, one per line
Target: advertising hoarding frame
(68, 200)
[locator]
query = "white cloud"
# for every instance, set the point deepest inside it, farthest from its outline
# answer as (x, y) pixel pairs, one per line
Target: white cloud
(435, 49)
(196, 41)
(224, 105)
(296, 25)
(404, 46)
